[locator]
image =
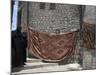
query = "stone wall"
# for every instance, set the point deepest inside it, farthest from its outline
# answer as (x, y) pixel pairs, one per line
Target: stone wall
(64, 18)
(90, 14)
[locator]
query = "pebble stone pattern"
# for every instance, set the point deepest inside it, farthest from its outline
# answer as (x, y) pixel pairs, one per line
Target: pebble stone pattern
(64, 18)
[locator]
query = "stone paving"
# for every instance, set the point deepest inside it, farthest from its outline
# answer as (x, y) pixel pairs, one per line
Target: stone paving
(38, 66)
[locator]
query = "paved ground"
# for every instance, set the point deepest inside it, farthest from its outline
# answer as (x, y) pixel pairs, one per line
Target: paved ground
(88, 61)
(35, 66)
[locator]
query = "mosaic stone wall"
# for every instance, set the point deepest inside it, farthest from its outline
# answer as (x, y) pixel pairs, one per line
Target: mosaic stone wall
(90, 14)
(64, 18)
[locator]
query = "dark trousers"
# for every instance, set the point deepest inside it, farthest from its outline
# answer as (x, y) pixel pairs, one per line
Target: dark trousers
(18, 50)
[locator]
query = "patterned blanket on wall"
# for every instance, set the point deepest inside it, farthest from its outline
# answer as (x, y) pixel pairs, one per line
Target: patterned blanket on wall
(51, 47)
(88, 35)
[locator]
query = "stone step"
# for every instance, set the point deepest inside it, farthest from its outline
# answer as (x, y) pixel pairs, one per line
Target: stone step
(30, 60)
(39, 64)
